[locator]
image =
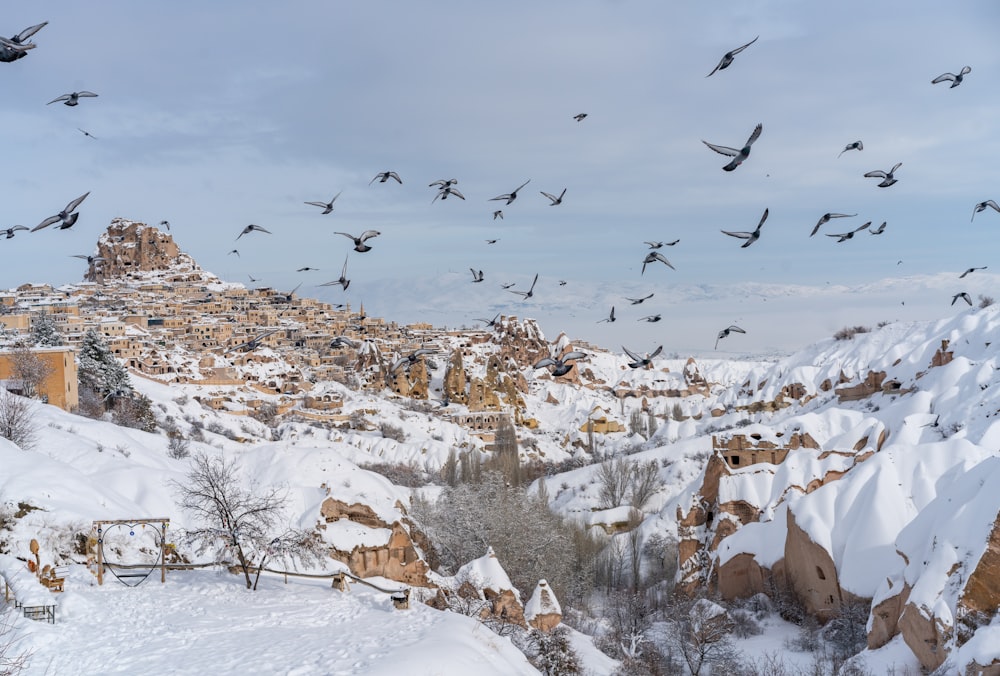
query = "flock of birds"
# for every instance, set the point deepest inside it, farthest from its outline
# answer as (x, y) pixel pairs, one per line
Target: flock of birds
(19, 45)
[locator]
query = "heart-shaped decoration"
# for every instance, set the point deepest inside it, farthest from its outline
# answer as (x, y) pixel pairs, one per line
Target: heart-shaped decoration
(130, 551)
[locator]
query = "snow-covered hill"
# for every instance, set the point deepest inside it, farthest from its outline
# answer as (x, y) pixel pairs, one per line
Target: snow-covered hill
(895, 428)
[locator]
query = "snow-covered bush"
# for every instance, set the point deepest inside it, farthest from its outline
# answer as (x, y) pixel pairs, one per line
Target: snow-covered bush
(17, 420)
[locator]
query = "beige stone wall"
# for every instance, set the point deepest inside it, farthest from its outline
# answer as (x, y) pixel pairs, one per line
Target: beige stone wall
(811, 573)
(60, 388)
(396, 560)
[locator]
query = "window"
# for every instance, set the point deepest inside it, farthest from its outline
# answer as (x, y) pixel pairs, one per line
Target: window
(734, 460)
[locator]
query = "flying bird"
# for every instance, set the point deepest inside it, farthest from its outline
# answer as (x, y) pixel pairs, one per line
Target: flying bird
(579, 117)
(637, 301)
(970, 271)
(253, 280)
(411, 359)
(253, 343)
(530, 292)
(507, 286)
(165, 224)
(445, 191)
(492, 241)
(510, 197)
(14, 48)
(359, 241)
(562, 282)
(72, 99)
(652, 257)
(857, 145)
(964, 296)
(307, 269)
(90, 259)
(555, 200)
(886, 176)
(67, 216)
(737, 155)
(384, 176)
(251, 228)
(825, 218)
(342, 341)
(477, 277)
(610, 318)
(844, 236)
(343, 282)
(727, 58)
(657, 245)
(9, 232)
(490, 322)
(234, 251)
(288, 297)
(879, 230)
(561, 364)
(724, 333)
(982, 207)
(650, 318)
(645, 360)
(443, 183)
(86, 133)
(750, 237)
(327, 207)
(497, 214)
(955, 79)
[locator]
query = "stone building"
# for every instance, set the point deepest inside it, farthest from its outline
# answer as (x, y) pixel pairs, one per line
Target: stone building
(59, 387)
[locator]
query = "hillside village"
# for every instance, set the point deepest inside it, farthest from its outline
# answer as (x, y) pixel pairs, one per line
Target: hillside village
(856, 472)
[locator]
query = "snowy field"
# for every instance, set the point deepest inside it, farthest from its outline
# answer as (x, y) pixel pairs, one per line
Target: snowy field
(206, 622)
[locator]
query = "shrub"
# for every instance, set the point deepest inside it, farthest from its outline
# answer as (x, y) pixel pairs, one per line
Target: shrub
(178, 447)
(401, 474)
(390, 431)
(745, 624)
(215, 427)
(985, 301)
(849, 332)
(17, 420)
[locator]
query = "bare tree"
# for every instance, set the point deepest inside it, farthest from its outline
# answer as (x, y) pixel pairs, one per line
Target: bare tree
(701, 636)
(30, 369)
(613, 478)
(241, 517)
(645, 481)
(506, 457)
(12, 661)
(17, 420)
(530, 541)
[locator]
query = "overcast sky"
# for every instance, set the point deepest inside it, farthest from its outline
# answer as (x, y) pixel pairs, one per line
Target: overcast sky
(217, 115)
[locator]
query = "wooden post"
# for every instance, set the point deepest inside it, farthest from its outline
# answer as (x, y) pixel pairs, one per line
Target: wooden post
(100, 551)
(163, 552)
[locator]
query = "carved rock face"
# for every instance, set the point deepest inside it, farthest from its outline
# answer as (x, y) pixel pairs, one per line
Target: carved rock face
(129, 247)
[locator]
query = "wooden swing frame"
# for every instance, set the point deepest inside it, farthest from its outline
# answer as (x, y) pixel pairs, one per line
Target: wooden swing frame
(161, 524)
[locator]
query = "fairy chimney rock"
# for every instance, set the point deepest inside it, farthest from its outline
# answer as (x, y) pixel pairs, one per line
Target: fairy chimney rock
(486, 574)
(542, 611)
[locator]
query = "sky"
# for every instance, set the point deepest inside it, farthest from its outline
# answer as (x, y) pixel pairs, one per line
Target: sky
(217, 117)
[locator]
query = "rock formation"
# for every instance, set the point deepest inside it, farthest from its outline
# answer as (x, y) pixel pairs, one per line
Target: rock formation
(542, 611)
(388, 550)
(129, 248)
(487, 577)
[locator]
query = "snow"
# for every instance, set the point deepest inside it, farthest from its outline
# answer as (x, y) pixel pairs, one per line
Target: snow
(931, 490)
(299, 628)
